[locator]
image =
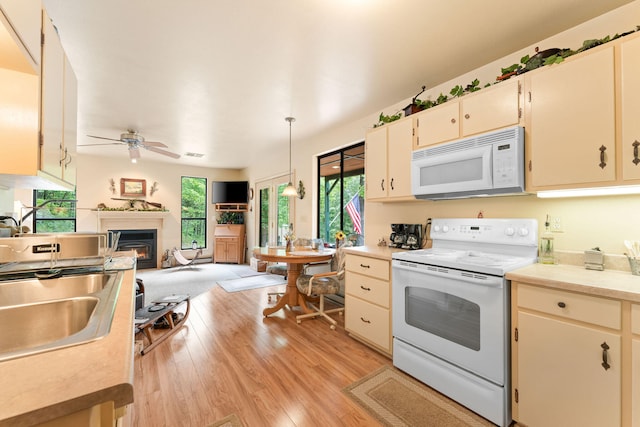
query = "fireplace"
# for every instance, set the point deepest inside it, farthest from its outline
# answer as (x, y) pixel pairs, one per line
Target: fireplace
(135, 221)
(144, 242)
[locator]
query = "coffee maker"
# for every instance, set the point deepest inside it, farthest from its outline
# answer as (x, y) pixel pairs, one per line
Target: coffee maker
(406, 236)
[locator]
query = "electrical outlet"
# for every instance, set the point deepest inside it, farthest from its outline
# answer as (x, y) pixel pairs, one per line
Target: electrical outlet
(556, 224)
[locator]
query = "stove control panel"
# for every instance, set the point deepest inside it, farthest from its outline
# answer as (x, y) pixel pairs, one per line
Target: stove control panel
(511, 231)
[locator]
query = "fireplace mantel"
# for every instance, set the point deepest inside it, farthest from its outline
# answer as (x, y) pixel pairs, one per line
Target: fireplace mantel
(133, 220)
(132, 214)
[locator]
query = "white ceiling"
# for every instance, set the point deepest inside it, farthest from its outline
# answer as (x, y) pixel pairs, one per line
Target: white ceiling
(218, 77)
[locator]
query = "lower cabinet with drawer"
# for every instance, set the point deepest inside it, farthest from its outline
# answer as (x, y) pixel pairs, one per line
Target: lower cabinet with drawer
(368, 301)
(566, 358)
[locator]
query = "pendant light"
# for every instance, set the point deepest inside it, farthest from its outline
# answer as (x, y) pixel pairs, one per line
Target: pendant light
(290, 190)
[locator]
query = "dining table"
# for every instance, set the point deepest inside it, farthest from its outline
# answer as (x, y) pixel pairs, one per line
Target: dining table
(296, 259)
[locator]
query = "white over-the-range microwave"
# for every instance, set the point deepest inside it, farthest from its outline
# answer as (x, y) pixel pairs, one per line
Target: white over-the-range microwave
(483, 165)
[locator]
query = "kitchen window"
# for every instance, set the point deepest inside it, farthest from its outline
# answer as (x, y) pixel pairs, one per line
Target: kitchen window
(54, 212)
(341, 194)
(194, 212)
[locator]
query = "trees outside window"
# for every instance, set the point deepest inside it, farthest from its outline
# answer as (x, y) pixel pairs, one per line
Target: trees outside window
(194, 212)
(56, 212)
(341, 177)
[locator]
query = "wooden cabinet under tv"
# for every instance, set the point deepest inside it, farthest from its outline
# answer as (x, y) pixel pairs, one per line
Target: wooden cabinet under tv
(229, 242)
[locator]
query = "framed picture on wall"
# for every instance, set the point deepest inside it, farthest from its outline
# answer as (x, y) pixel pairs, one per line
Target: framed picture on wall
(133, 187)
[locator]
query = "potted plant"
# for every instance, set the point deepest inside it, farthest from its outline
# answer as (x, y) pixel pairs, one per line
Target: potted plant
(231, 218)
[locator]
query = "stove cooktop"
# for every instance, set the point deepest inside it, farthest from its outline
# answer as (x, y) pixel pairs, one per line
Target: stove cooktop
(476, 261)
(490, 246)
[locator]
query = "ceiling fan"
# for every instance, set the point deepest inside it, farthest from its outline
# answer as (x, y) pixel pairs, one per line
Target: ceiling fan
(134, 141)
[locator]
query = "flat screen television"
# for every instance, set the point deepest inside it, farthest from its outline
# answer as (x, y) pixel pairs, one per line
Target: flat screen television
(230, 191)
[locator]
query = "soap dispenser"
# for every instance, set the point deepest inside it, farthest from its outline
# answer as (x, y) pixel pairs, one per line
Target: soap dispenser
(545, 255)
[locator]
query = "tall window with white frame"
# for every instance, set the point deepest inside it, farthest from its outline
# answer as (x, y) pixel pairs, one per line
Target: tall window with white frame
(194, 212)
(341, 177)
(54, 212)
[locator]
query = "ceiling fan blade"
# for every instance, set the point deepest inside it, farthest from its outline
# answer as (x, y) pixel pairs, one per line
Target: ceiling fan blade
(97, 145)
(134, 153)
(102, 137)
(155, 144)
(163, 152)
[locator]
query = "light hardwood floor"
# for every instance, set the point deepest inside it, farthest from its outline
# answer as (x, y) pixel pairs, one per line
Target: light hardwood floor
(228, 358)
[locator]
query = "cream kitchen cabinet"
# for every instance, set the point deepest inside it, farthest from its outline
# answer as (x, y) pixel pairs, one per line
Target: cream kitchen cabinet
(571, 122)
(566, 358)
(59, 109)
(488, 109)
(368, 301)
(25, 18)
(635, 365)
(630, 108)
(388, 161)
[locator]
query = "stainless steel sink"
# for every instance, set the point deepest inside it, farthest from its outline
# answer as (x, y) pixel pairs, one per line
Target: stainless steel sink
(14, 292)
(44, 319)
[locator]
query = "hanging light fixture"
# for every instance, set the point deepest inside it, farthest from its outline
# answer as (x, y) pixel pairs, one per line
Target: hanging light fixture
(290, 190)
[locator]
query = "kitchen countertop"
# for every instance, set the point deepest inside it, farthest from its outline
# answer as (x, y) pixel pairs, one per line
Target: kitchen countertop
(54, 384)
(380, 252)
(608, 283)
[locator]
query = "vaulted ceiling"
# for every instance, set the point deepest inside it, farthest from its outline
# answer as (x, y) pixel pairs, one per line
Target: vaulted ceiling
(218, 77)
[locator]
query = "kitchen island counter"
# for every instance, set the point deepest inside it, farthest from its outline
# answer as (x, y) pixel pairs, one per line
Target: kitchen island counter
(609, 283)
(47, 386)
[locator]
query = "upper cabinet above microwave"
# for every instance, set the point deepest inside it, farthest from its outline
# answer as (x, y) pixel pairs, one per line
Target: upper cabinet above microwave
(22, 19)
(488, 109)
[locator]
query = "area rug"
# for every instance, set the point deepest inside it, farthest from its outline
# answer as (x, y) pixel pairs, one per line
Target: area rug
(251, 282)
(228, 421)
(396, 399)
(192, 280)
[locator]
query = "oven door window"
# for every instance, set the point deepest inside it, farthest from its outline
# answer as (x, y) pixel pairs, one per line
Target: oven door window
(447, 316)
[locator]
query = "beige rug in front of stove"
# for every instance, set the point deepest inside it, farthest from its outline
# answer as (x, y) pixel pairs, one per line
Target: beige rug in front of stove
(396, 399)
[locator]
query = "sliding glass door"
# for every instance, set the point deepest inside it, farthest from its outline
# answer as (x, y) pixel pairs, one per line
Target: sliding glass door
(274, 211)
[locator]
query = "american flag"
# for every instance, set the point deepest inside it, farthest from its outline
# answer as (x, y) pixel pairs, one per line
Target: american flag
(353, 209)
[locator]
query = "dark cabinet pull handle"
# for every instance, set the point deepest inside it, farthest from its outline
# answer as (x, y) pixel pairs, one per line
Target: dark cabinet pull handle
(602, 162)
(635, 160)
(391, 184)
(364, 289)
(382, 184)
(605, 356)
(365, 320)
(453, 121)
(467, 116)
(364, 266)
(561, 304)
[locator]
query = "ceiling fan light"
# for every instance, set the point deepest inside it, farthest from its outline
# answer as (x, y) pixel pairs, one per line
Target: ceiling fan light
(290, 190)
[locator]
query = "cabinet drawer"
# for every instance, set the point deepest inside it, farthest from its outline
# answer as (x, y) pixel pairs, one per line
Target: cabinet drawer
(585, 308)
(367, 288)
(373, 267)
(635, 318)
(368, 321)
